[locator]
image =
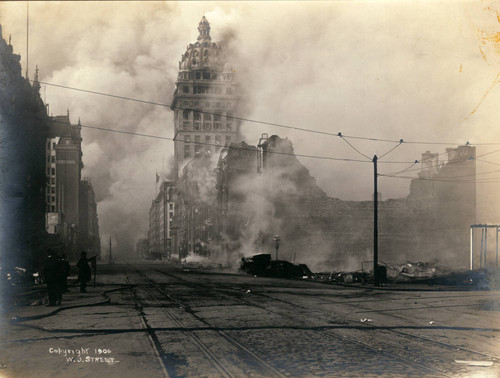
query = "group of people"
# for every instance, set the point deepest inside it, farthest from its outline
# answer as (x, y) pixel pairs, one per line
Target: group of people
(56, 272)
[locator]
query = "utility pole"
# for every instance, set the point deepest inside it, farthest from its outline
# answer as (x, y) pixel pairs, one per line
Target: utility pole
(375, 223)
(110, 257)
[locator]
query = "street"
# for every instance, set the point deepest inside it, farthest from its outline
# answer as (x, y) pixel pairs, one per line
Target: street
(154, 320)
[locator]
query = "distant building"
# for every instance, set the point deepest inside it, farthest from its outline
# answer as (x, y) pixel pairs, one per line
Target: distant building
(142, 248)
(205, 99)
(89, 239)
(161, 215)
(63, 168)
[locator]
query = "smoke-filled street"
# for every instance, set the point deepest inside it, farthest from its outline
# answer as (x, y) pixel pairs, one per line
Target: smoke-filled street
(154, 319)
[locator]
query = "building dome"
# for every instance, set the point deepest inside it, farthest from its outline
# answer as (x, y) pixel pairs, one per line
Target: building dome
(203, 54)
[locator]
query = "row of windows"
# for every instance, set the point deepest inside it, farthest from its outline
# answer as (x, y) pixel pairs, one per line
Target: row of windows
(51, 199)
(207, 126)
(49, 144)
(205, 75)
(207, 147)
(51, 171)
(197, 116)
(207, 104)
(51, 159)
(205, 89)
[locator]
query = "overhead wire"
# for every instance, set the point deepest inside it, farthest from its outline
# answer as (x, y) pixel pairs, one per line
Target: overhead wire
(354, 148)
(392, 149)
(263, 122)
(52, 119)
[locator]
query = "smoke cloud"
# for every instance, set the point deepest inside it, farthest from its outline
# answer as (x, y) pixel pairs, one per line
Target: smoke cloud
(411, 70)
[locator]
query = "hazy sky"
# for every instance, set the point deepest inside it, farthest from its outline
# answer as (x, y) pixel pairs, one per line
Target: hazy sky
(414, 70)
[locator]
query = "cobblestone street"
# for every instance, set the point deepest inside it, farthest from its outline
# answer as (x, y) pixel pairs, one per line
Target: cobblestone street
(160, 320)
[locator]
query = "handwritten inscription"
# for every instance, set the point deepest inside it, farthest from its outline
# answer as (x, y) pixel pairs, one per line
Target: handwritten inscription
(85, 355)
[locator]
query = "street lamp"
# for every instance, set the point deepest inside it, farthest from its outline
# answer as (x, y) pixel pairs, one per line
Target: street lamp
(277, 241)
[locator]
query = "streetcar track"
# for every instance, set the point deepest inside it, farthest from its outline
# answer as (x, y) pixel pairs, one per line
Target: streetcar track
(405, 335)
(329, 333)
(210, 356)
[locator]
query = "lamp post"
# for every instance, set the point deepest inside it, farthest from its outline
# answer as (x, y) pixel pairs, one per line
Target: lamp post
(277, 241)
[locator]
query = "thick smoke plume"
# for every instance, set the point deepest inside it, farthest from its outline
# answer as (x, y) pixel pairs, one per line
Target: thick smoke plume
(410, 70)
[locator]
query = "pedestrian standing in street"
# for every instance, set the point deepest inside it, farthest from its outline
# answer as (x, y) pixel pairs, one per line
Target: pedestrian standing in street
(83, 272)
(51, 273)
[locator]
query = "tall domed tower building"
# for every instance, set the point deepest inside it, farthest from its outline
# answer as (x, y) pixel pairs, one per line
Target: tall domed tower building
(205, 100)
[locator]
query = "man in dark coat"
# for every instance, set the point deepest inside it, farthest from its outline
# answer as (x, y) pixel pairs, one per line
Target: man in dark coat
(52, 273)
(83, 272)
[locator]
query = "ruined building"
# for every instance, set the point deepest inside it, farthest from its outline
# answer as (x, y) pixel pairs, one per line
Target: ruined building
(232, 198)
(205, 98)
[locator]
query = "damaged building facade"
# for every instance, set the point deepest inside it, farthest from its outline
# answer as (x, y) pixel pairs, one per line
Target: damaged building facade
(265, 191)
(232, 198)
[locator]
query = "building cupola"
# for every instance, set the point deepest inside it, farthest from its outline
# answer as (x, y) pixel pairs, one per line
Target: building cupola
(204, 29)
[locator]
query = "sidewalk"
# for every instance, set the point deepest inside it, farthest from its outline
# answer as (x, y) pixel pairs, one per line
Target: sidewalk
(30, 303)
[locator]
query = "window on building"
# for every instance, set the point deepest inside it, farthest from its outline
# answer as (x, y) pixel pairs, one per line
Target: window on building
(53, 180)
(197, 126)
(207, 140)
(54, 145)
(53, 199)
(217, 139)
(185, 114)
(171, 206)
(229, 90)
(196, 103)
(217, 122)
(197, 139)
(197, 116)
(197, 149)
(186, 125)
(187, 151)
(53, 171)
(53, 189)
(187, 138)
(198, 75)
(228, 140)
(206, 75)
(185, 89)
(52, 159)
(53, 210)
(185, 103)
